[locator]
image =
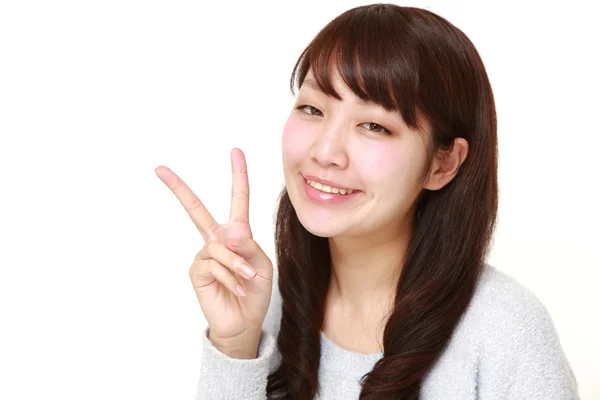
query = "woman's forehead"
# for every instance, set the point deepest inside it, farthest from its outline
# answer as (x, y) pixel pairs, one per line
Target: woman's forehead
(310, 82)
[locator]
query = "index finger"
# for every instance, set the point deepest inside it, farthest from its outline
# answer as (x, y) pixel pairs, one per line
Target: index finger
(205, 223)
(240, 189)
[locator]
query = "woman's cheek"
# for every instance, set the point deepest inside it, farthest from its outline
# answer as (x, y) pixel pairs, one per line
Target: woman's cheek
(294, 136)
(382, 163)
(378, 160)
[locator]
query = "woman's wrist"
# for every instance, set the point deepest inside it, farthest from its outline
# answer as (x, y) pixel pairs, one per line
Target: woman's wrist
(244, 347)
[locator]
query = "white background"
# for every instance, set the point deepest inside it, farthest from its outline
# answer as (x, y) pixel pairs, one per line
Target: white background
(95, 299)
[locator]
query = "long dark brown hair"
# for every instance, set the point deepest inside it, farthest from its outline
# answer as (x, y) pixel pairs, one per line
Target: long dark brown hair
(415, 62)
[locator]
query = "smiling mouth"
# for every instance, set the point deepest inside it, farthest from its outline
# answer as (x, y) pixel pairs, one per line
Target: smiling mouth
(329, 189)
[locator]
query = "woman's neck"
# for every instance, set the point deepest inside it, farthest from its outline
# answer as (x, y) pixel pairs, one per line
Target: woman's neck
(365, 273)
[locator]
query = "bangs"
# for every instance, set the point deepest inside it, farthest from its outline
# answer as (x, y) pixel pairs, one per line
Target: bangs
(371, 50)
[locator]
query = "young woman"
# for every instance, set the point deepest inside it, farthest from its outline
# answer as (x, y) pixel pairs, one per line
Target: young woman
(389, 206)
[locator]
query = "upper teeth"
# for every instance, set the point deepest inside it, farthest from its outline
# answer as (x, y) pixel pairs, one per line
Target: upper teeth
(328, 189)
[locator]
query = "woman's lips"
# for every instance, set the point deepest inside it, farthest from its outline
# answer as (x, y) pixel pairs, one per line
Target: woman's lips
(327, 198)
(328, 183)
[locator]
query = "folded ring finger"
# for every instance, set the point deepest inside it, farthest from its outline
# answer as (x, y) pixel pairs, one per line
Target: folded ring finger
(227, 258)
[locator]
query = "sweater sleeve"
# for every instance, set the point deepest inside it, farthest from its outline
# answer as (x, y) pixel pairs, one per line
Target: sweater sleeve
(222, 377)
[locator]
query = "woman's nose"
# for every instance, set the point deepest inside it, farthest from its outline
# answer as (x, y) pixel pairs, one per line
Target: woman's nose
(329, 148)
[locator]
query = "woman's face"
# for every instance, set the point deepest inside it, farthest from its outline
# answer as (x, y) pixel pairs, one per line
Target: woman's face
(346, 142)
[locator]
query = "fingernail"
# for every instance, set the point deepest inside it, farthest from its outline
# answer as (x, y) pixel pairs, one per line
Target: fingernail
(241, 291)
(247, 271)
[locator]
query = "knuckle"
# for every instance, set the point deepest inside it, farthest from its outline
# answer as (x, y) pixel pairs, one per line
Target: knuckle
(194, 205)
(210, 247)
(213, 248)
(212, 229)
(196, 269)
(197, 259)
(193, 271)
(178, 184)
(213, 264)
(198, 255)
(240, 194)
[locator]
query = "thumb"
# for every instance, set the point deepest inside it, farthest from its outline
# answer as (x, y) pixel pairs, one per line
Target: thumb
(251, 252)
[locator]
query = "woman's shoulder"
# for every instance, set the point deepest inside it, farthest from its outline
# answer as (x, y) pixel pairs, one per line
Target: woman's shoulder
(505, 343)
(503, 311)
(502, 302)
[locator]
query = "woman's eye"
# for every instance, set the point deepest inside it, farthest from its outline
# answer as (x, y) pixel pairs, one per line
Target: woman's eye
(313, 111)
(373, 126)
(378, 128)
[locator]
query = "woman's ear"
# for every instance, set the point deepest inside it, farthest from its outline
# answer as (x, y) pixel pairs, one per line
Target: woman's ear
(446, 163)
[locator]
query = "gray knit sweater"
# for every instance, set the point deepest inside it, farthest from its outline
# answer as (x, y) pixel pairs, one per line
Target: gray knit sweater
(504, 348)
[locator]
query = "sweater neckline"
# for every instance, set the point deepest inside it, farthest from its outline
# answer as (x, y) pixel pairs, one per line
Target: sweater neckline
(338, 352)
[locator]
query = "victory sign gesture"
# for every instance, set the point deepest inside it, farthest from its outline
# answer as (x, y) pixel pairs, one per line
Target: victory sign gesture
(234, 316)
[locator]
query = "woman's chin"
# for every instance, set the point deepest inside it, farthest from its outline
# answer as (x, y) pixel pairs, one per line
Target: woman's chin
(320, 227)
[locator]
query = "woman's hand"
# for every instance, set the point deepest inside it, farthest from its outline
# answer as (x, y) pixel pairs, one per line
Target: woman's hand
(233, 319)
